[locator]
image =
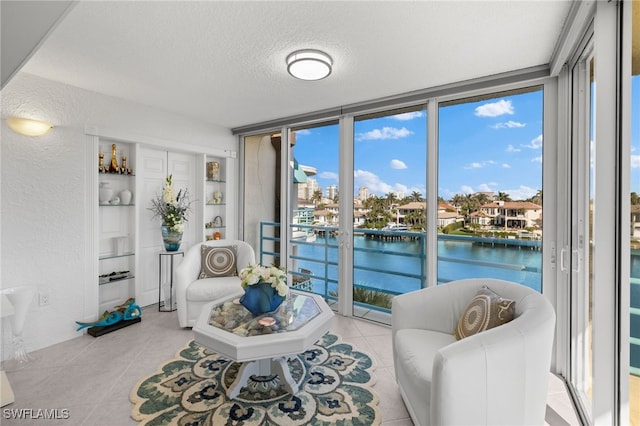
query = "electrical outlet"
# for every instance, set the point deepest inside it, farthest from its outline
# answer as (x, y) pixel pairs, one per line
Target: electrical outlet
(43, 298)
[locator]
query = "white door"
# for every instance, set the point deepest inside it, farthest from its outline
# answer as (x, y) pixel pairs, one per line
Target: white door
(154, 168)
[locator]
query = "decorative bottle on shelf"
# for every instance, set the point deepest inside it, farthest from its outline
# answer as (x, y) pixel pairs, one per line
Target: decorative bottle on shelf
(100, 162)
(123, 169)
(113, 168)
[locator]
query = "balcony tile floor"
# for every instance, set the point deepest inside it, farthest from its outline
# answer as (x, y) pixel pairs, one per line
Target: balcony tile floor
(92, 377)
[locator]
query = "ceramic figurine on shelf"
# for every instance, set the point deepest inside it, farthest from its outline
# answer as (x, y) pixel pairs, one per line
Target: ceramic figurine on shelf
(213, 170)
(100, 162)
(123, 169)
(217, 197)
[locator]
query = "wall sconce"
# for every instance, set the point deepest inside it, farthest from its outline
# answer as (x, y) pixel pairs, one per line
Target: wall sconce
(28, 127)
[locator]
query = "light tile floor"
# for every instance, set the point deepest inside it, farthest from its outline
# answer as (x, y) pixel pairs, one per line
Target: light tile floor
(92, 377)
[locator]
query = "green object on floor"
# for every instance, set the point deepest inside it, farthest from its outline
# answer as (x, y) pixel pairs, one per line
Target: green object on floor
(335, 387)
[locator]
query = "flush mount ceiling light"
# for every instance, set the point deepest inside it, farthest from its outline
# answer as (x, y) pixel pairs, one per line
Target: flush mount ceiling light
(309, 64)
(28, 127)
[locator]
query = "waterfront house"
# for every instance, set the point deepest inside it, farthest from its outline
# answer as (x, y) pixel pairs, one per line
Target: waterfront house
(513, 214)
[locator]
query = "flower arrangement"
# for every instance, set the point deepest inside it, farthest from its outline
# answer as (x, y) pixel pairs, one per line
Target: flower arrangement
(254, 274)
(172, 209)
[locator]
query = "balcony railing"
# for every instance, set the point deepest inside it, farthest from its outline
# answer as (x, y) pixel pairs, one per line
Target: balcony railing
(315, 260)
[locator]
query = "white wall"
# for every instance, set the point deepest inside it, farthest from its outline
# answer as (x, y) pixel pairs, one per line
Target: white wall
(42, 189)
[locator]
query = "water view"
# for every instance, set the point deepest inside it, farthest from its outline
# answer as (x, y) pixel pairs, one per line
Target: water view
(396, 266)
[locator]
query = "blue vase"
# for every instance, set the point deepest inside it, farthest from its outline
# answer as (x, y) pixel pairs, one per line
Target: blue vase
(261, 298)
(171, 238)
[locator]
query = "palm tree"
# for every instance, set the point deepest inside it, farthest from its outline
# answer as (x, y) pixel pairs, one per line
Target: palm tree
(391, 198)
(503, 196)
(536, 199)
(481, 198)
(458, 200)
(416, 196)
(316, 196)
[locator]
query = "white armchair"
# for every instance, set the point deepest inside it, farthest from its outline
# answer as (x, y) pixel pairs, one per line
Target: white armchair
(496, 377)
(193, 293)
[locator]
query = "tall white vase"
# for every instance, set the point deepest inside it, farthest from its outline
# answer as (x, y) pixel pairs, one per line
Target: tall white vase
(20, 299)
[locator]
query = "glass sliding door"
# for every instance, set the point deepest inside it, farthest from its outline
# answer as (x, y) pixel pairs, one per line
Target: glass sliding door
(313, 209)
(490, 187)
(580, 257)
(389, 208)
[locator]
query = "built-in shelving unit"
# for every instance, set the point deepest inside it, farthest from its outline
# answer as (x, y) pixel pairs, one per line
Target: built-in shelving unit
(116, 222)
(122, 250)
(215, 198)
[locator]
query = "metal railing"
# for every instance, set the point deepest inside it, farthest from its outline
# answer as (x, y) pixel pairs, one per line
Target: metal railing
(324, 259)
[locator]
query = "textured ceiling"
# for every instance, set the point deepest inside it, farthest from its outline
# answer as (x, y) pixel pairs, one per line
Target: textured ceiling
(224, 62)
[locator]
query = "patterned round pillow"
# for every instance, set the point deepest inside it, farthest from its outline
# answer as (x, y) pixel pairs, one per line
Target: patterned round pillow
(486, 310)
(217, 261)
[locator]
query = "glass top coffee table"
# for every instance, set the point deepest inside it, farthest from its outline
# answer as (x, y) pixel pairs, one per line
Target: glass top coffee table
(263, 343)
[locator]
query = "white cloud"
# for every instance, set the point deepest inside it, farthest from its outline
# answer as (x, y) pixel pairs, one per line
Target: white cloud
(511, 148)
(479, 165)
(635, 161)
(397, 164)
(506, 166)
(466, 189)
(535, 143)
(406, 116)
(384, 133)
(377, 186)
(521, 193)
(371, 181)
(495, 109)
(303, 132)
(537, 159)
(328, 175)
(484, 187)
(508, 125)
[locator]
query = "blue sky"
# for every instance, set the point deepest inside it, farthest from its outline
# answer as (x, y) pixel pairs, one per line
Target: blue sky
(490, 145)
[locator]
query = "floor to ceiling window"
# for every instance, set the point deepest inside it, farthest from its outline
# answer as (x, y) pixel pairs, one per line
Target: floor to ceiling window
(490, 187)
(389, 208)
(314, 213)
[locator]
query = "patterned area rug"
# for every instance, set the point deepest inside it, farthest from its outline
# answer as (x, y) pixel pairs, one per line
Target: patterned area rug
(334, 381)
